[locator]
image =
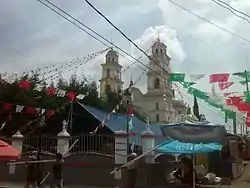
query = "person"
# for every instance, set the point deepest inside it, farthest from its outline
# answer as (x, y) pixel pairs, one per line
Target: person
(31, 176)
(132, 171)
(185, 173)
(57, 172)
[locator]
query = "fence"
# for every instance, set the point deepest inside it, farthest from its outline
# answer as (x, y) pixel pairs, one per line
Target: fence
(87, 144)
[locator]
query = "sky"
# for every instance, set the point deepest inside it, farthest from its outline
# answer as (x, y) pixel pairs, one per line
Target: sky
(33, 36)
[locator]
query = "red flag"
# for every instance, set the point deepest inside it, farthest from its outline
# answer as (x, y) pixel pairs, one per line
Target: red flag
(24, 84)
(247, 119)
(130, 110)
(50, 91)
(7, 106)
(30, 110)
(233, 100)
(222, 77)
(50, 112)
(71, 95)
(224, 85)
(242, 106)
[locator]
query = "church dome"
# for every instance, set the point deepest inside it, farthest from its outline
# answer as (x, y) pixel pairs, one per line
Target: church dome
(112, 52)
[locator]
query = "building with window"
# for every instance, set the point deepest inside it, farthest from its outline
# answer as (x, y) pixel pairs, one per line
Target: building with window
(158, 103)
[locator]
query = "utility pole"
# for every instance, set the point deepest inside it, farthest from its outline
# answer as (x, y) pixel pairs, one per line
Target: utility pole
(128, 98)
(247, 88)
(39, 151)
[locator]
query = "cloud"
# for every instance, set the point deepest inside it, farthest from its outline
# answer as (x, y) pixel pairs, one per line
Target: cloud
(36, 36)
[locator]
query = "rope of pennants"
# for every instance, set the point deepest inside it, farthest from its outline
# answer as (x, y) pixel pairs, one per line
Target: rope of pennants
(57, 70)
(50, 91)
(222, 79)
(124, 98)
(237, 102)
(40, 113)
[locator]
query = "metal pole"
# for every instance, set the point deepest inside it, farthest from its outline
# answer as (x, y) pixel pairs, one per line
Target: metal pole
(128, 118)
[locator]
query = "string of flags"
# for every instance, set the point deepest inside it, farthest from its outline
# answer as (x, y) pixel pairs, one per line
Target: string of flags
(40, 113)
(50, 91)
(222, 79)
(122, 101)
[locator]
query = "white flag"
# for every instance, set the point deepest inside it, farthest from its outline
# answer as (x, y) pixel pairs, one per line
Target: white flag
(38, 87)
(196, 77)
(80, 96)
(42, 112)
(61, 93)
(19, 108)
(2, 126)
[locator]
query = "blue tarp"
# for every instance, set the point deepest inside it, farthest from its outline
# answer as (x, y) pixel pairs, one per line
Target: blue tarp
(119, 122)
(175, 146)
(197, 132)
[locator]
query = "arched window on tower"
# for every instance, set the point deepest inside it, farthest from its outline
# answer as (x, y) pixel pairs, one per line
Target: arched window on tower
(157, 83)
(157, 117)
(157, 106)
(108, 73)
(156, 50)
(161, 51)
(113, 59)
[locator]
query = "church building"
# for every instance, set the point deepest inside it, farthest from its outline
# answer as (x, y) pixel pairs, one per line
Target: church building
(158, 103)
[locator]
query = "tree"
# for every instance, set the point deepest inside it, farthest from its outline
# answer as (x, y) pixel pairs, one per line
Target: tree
(196, 108)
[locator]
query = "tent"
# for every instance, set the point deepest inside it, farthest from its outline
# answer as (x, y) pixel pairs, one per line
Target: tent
(198, 132)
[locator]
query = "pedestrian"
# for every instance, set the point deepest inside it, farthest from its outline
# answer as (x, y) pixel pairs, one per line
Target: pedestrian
(31, 175)
(132, 171)
(57, 172)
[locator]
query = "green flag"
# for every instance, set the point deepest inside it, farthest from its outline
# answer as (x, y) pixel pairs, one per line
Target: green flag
(187, 84)
(245, 75)
(230, 114)
(177, 77)
(215, 104)
(197, 93)
(247, 96)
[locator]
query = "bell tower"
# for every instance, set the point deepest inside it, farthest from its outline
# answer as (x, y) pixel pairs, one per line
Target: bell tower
(160, 92)
(156, 82)
(111, 74)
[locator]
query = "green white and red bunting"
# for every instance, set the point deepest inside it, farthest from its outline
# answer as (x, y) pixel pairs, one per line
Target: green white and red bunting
(51, 91)
(222, 79)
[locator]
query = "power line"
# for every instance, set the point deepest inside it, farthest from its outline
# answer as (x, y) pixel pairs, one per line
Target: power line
(210, 22)
(230, 10)
(137, 60)
(234, 9)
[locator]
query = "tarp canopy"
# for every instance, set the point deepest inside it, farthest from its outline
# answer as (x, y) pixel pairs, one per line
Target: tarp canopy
(198, 132)
(7, 152)
(119, 121)
(177, 147)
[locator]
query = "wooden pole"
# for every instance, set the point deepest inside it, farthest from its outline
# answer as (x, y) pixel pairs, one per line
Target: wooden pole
(135, 159)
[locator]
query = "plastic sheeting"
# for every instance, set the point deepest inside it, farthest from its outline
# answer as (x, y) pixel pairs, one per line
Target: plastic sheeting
(175, 146)
(194, 132)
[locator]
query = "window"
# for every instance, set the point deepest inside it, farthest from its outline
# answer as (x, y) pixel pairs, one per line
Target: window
(157, 117)
(156, 51)
(161, 51)
(108, 73)
(113, 59)
(108, 59)
(157, 106)
(157, 83)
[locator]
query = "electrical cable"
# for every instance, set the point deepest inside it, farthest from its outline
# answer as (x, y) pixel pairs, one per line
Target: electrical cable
(230, 10)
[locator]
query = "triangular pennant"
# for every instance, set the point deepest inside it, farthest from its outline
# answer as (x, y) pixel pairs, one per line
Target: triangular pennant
(42, 111)
(177, 77)
(19, 108)
(80, 96)
(61, 93)
(38, 87)
(225, 85)
(219, 77)
(196, 77)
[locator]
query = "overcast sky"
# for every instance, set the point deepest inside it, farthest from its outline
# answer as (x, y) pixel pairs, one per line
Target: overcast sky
(32, 35)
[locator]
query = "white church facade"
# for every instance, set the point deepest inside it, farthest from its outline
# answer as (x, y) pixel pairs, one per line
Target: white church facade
(158, 103)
